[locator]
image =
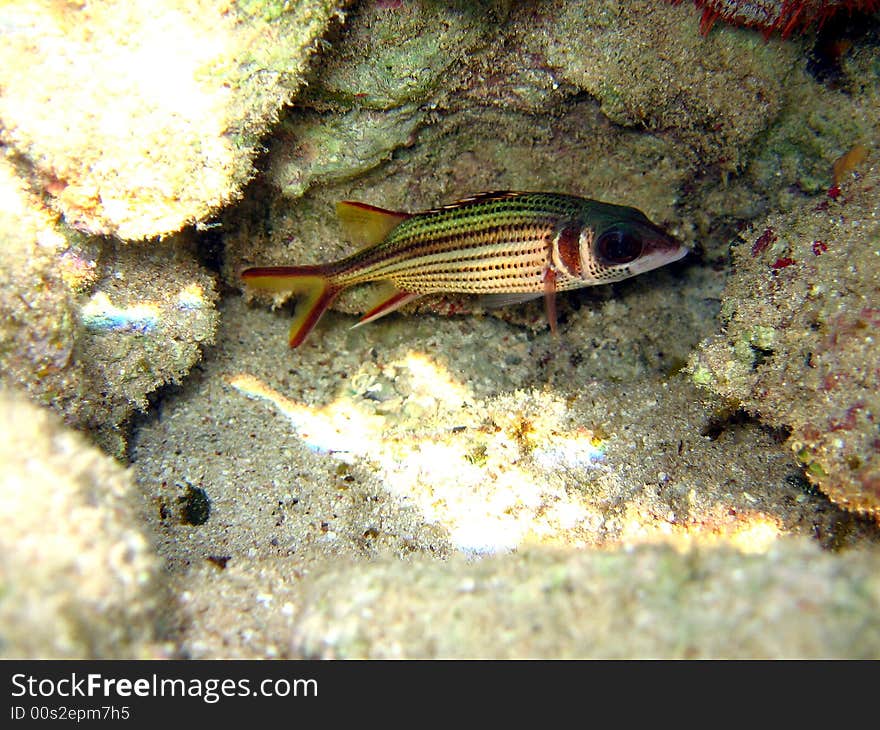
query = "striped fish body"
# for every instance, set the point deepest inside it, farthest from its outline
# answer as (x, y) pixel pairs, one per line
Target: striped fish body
(508, 246)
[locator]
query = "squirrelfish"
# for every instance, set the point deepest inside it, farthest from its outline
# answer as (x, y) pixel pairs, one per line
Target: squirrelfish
(507, 246)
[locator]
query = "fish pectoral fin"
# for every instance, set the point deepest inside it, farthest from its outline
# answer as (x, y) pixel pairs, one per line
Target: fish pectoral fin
(367, 225)
(550, 297)
(490, 301)
(387, 303)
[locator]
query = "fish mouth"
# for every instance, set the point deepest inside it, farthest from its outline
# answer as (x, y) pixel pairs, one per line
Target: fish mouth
(661, 245)
(658, 252)
(683, 251)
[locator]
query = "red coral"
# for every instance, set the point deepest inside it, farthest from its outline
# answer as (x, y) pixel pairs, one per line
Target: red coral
(848, 422)
(764, 240)
(771, 16)
(782, 263)
(871, 316)
(819, 247)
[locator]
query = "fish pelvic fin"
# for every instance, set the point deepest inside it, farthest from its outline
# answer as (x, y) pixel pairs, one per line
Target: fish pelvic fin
(550, 299)
(367, 225)
(312, 284)
(391, 299)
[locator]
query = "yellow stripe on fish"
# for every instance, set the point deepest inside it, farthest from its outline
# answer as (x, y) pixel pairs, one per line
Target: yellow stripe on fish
(508, 246)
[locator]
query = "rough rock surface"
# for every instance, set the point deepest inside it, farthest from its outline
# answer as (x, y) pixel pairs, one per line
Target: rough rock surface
(91, 326)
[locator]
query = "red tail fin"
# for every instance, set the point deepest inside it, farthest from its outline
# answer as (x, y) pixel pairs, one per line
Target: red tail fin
(311, 282)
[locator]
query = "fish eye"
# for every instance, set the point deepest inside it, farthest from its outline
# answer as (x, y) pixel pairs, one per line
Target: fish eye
(617, 246)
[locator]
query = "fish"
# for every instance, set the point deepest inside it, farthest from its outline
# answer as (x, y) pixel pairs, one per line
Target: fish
(508, 247)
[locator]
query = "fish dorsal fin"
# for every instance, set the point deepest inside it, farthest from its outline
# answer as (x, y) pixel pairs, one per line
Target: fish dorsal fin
(367, 225)
(475, 199)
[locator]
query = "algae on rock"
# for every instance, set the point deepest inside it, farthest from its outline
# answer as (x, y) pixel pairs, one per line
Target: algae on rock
(314, 149)
(799, 347)
(648, 66)
(373, 90)
(390, 56)
(651, 602)
(624, 102)
(78, 576)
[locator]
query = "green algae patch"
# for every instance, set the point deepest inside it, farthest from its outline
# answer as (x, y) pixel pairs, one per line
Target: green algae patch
(312, 148)
(762, 337)
(702, 376)
(391, 55)
(265, 10)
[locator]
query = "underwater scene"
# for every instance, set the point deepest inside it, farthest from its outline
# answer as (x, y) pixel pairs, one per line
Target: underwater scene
(440, 329)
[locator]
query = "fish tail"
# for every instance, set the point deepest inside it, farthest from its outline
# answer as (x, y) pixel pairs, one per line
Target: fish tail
(314, 285)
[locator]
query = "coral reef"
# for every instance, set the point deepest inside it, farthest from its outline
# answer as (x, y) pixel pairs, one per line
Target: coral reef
(710, 96)
(78, 577)
(157, 111)
(391, 55)
(37, 305)
(799, 346)
(143, 325)
(398, 489)
(312, 148)
(374, 89)
(776, 16)
(163, 103)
